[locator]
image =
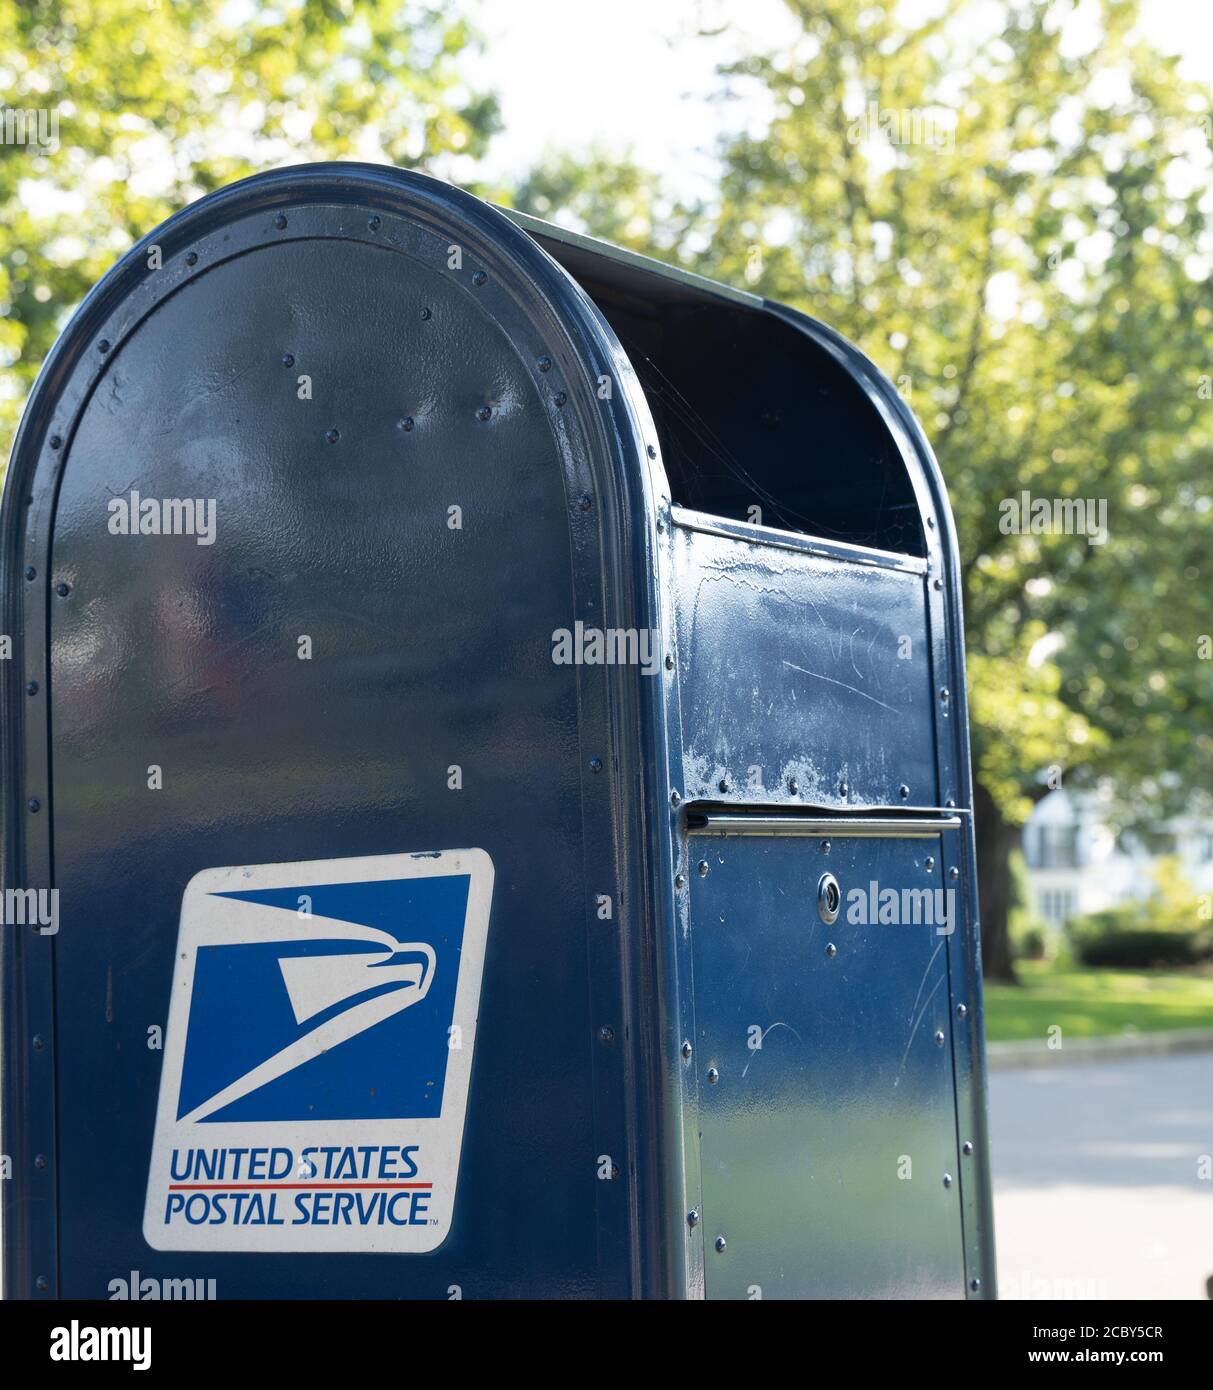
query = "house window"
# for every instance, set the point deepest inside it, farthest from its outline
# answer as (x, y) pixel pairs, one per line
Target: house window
(1057, 847)
(1057, 905)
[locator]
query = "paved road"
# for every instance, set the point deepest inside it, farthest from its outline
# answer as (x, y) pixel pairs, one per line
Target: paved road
(1098, 1190)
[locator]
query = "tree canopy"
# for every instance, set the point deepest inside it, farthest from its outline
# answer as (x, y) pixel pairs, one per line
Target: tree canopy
(157, 102)
(1013, 221)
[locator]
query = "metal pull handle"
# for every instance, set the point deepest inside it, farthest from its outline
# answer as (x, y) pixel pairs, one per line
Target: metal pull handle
(836, 827)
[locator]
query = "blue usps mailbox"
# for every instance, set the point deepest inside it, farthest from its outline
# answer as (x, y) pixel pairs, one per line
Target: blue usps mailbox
(485, 714)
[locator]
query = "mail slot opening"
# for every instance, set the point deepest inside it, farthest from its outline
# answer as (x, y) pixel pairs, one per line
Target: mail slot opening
(756, 422)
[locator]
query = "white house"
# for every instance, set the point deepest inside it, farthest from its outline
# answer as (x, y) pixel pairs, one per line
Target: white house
(1077, 863)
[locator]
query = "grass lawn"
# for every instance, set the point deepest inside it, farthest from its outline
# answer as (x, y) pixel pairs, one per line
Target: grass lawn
(1097, 1003)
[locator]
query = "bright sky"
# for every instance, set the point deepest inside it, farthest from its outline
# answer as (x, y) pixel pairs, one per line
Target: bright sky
(632, 76)
(629, 74)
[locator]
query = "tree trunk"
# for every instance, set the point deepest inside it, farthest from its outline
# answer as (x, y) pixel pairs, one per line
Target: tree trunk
(995, 841)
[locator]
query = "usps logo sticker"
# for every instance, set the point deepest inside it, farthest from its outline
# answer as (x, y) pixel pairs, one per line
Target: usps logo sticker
(318, 1055)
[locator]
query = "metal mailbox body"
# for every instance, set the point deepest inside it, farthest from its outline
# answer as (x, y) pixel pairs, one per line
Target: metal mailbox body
(441, 441)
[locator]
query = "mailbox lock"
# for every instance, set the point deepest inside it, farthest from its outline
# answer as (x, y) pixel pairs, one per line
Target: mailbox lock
(829, 898)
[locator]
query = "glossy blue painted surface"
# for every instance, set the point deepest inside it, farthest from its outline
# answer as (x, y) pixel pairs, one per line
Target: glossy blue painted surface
(831, 1126)
(186, 657)
(478, 386)
(779, 653)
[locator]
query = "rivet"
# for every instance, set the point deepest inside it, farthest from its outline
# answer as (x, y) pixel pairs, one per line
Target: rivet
(793, 785)
(42, 1283)
(962, 1011)
(826, 846)
(939, 583)
(947, 1180)
(931, 522)
(675, 799)
(713, 1076)
(903, 791)
(652, 452)
(944, 694)
(703, 868)
(975, 1284)
(606, 1035)
(939, 1039)
(373, 223)
(693, 1218)
(39, 1160)
(595, 764)
(585, 502)
(406, 424)
(288, 359)
(680, 881)
(831, 950)
(721, 1245)
(953, 872)
(280, 222)
(426, 314)
(724, 784)
(192, 258)
(39, 1042)
(949, 803)
(333, 436)
(479, 278)
(561, 398)
(31, 687)
(63, 589)
(967, 1148)
(103, 345)
(928, 864)
(686, 1051)
(843, 789)
(544, 364)
(31, 572)
(56, 441)
(34, 804)
(484, 413)
(669, 663)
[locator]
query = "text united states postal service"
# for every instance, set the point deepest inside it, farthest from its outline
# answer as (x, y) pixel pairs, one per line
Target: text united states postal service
(318, 1054)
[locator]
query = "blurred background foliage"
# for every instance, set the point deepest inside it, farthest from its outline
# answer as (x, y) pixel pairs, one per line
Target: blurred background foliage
(1019, 237)
(161, 101)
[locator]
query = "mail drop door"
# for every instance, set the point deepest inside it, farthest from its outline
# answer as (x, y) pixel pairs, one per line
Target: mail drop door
(828, 1114)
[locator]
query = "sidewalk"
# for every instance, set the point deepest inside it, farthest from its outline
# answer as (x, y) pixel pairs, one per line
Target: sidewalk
(1103, 1176)
(1004, 1056)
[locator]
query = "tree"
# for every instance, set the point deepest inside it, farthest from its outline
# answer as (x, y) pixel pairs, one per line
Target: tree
(620, 200)
(156, 102)
(1016, 227)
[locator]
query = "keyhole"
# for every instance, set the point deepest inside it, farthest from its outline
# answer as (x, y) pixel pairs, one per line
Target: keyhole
(829, 898)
